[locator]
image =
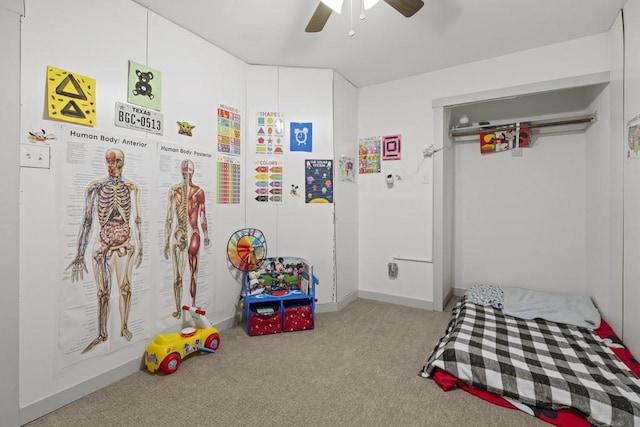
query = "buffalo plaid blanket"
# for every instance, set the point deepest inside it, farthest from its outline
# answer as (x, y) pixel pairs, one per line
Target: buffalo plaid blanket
(543, 364)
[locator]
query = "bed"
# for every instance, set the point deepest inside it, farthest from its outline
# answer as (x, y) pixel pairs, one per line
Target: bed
(564, 374)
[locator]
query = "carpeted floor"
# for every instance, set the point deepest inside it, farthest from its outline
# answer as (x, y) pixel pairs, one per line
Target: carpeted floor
(358, 367)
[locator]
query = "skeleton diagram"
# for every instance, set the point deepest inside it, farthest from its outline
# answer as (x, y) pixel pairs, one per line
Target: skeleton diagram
(115, 201)
(185, 205)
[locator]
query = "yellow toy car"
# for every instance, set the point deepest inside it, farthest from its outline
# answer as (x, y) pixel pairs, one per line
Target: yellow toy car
(166, 351)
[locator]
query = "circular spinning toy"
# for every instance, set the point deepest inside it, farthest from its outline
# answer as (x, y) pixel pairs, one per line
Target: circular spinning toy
(247, 249)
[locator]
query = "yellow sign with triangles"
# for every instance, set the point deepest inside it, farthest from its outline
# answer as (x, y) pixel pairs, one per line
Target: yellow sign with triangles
(71, 97)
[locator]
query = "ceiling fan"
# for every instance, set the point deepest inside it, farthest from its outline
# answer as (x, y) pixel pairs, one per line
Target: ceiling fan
(325, 7)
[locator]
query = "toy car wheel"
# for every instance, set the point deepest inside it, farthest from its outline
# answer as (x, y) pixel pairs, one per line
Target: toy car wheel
(170, 364)
(212, 342)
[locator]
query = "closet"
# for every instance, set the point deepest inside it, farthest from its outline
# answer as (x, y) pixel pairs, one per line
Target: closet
(544, 217)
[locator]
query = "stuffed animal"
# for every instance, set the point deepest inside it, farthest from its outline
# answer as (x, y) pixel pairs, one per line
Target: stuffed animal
(255, 284)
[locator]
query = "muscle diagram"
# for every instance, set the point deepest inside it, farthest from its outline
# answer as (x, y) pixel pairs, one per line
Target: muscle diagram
(186, 220)
(115, 202)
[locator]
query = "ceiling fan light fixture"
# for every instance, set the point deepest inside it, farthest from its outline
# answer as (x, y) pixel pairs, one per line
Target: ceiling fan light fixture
(335, 5)
(368, 4)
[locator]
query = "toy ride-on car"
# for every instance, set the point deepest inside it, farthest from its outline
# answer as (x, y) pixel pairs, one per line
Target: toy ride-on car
(166, 351)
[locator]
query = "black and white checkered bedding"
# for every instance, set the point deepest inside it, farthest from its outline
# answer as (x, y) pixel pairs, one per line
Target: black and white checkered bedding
(543, 364)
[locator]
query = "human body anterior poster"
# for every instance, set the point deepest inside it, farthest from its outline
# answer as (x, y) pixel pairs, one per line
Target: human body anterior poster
(186, 178)
(103, 187)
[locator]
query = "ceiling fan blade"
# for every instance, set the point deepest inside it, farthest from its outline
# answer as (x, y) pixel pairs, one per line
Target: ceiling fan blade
(406, 7)
(319, 18)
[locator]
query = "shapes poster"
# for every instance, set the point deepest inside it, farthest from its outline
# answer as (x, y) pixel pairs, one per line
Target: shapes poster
(318, 181)
(268, 181)
(228, 180)
(145, 86)
(503, 138)
(301, 137)
(369, 155)
(269, 133)
(71, 97)
(228, 130)
(391, 147)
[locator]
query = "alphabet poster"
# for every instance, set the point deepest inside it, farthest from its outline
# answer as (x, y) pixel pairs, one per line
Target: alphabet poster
(71, 97)
(369, 155)
(318, 181)
(228, 130)
(145, 86)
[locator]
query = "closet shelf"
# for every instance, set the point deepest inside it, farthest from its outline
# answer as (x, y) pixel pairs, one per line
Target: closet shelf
(567, 123)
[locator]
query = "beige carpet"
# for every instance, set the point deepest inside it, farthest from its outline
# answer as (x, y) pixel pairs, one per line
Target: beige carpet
(358, 367)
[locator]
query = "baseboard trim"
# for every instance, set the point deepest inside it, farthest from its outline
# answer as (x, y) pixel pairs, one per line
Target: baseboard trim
(49, 404)
(393, 299)
(71, 394)
(64, 397)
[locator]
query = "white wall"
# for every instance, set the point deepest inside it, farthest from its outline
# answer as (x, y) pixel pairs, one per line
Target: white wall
(406, 106)
(631, 290)
(196, 78)
(345, 116)
(10, 12)
(293, 227)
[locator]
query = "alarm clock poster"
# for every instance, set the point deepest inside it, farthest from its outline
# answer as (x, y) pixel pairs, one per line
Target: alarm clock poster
(318, 181)
(301, 137)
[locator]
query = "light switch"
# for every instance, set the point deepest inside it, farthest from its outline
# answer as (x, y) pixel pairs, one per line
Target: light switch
(35, 156)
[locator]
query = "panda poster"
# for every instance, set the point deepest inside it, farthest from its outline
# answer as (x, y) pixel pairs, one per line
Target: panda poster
(145, 86)
(318, 181)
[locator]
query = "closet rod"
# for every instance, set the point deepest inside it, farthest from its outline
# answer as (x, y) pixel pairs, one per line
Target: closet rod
(533, 125)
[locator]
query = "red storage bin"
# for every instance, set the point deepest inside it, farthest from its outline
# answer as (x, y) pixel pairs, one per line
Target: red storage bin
(265, 324)
(298, 318)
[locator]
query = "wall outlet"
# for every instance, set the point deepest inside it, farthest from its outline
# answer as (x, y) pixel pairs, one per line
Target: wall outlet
(35, 156)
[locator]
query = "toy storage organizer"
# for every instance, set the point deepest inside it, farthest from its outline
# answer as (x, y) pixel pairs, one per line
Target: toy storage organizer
(280, 297)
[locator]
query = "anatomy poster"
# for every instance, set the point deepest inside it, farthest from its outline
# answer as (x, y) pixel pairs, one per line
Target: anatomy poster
(318, 181)
(104, 217)
(268, 184)
(229, 126)
(186, 189)
(144, 86)
(72, 97)
(269, 132)
(228, 180)
(369, 155)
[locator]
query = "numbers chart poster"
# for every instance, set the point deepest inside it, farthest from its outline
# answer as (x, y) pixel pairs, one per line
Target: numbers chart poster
(318, 181)
(369, 155)
(228, 182)
(229, 126)
(86, 188)
(269, 133)
(268, 184)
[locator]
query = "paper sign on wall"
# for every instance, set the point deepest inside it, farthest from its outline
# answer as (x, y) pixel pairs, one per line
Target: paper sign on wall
(71, 97)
